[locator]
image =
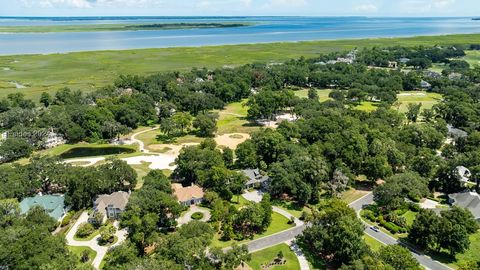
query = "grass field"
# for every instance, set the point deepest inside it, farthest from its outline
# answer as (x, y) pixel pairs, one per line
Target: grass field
(79, 250)
(372, 242)
(472, 254)
(279, 223)
(232, 119)
(410, 217)
(322, 94)
(88, 71)
(427, 99)
(268, 255)
(352, 195)
(473, 58)
(112, 27)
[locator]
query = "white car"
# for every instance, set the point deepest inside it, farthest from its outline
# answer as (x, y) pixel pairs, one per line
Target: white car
(375, 228)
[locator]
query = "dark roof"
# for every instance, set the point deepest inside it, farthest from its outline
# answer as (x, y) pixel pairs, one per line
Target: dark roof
(456, 133)
(254, 176)
(468, 200)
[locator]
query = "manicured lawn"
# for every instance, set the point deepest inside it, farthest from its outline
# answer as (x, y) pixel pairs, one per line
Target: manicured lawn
(88, 238)
(239, 201)
(322, 94)
(410, 217)
(372, 242)
(88, 71)
(279, 223)
(367, 106)
(473, 58)
(352, 195)
(427, 99)
(232, 119)
(290, 207)
(472, 254)
(142, 170)
(268, 255)
(79, 251)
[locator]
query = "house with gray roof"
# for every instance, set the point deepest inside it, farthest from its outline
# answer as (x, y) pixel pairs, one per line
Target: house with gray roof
(456, 133)
(256, 179)
(54, 205)
(110, 206)
(468, 200)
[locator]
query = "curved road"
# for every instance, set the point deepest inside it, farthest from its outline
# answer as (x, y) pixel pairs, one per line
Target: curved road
(386, 239)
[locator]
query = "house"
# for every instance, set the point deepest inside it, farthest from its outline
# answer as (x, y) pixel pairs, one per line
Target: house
(187, 196)
(456, 133)
(464, 174)
(404, 60)
(425, 85)
(256, 179)
(432, 74)
(110, 206)
(468, 200)
(392, 64)
(54, 205)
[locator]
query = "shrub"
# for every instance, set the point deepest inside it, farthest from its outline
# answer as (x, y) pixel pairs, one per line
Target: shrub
(197, 216)
(391, 227)
(414, 207)
(84, 230)
(369, 215)
(304, 215)
(68, 217)
(291, 220)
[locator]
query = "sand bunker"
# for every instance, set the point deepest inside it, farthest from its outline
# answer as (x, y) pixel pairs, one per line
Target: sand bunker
(232, 140)
(157, 162)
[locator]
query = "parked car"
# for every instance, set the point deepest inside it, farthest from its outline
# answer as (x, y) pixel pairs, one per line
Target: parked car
(375, 228)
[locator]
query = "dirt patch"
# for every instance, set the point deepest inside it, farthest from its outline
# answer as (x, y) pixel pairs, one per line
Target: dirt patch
(232, 140)
(169, 149)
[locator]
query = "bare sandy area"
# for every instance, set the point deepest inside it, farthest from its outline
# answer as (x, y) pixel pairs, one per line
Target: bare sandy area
(232, 140)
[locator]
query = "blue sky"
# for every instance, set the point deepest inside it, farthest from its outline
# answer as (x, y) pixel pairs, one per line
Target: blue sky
(240, 7)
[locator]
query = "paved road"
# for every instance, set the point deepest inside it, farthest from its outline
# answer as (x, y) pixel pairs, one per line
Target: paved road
(275, 239)
(93, 244)
(424, 260)
(187, 217)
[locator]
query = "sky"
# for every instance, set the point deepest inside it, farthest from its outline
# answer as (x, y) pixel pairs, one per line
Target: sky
(378, 8)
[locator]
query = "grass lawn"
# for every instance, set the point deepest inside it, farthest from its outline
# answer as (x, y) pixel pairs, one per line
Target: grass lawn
(322, 94)
(87, 71)
(352, 195)
(373, 243)
(79, 251)
(427, 99)
(142, 170)
(292, 208)
(232, 119)
(367, 106)
(410, 217)
(279, 223)
(473, 58)
(88, 238)
(472, 254)
(266, 256)
(239, 201)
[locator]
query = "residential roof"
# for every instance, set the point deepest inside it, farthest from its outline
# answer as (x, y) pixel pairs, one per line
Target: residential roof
(456, 133)
(117, 200)
(187, 193)
(254, 176)
(53, 204)
(468, 200)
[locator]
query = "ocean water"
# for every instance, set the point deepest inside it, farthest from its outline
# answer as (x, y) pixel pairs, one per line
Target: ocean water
(265, 29)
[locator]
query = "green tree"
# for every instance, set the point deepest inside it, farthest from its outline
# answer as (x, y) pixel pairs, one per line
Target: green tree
(182, 120)
(45, 99)
(206, 123)
(335, 234)
(413, 111)
(399, 258)
(246, 153)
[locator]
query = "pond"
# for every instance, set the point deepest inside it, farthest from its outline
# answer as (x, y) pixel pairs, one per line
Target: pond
(80, 152)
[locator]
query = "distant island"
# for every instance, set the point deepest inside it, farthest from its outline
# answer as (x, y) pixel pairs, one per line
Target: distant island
(476, 19)
(115, 27)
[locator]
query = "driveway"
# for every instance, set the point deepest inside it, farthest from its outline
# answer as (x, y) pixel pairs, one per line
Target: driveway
(386, 239)
(93, 244)
(187, 217)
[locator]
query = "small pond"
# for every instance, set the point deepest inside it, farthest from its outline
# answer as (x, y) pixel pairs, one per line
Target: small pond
(81, 152)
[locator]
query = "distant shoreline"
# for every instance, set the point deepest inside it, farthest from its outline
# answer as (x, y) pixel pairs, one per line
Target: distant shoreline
(116, 27)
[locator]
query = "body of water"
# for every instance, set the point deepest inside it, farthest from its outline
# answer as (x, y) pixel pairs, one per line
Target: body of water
(265, 29)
